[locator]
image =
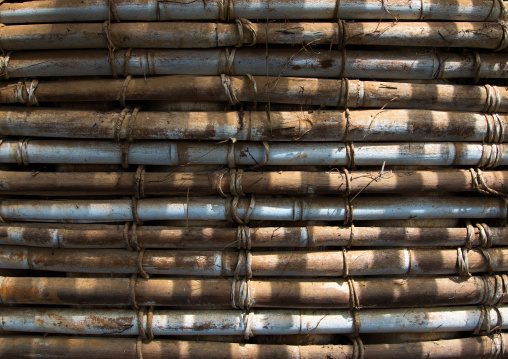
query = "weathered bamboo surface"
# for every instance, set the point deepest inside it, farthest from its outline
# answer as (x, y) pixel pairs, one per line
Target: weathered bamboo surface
(157, 10)
(394, 65)
(259, 322)
(229, 182)
(283, 293)
(245, 209)
(120, 236)
(354, 125)
(301, 91)
(27, 346)
(483, 35)
(256, 264)
(183, 153)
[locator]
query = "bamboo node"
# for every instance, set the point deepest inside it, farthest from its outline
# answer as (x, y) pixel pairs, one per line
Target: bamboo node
(463, 262)
(492, 100)
(22, 152)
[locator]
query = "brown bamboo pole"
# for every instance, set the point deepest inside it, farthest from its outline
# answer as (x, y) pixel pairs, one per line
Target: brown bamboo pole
(28, 346)
(284, 293)
(281, 182)
(282, 263)
(210, 34)
(355, 125)
(302, 91)
(119, 236)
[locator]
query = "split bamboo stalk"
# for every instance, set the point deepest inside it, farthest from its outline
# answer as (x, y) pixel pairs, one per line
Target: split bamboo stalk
(120, 236)
(355, 125)
(261, 209)
(392, 65)
(26, 347)
(182, 153)
(371, 292)
(480, 35)
(260, 322)
(254, 182)
(301, 91)
(337, 263)
(160, 10)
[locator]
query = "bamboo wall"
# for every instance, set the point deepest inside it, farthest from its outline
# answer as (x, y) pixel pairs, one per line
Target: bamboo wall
(253, 179)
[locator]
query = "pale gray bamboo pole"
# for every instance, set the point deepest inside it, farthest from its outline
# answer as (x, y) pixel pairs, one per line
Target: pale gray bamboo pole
(157, 10)
(319, 263)
(359, 125)
(180, 153)
(229, 182)
(126, 236)
(28, 346)
(392, 65)
(478, 35)
(280, 293)
(301, 91)
(259, 322)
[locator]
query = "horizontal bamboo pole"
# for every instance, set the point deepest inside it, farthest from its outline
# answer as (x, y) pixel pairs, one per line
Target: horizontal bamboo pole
(301, 91)
(254, 182)
(257, 209)
(208, 34)
(392, 65)
(117, 236)
(371, 292)
(157, 10)
(182, 153)
(260, 322)
(355, 125)
(26, 346)
(273, 264)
